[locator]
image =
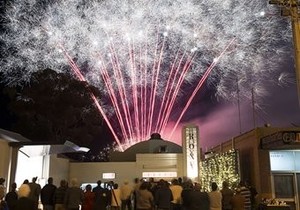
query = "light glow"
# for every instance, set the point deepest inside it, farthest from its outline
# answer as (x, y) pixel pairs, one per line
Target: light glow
(159, 174)
(108, 176)
(191, 151)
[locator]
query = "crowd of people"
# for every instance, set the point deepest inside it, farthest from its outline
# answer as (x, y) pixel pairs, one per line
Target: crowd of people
(179, 194)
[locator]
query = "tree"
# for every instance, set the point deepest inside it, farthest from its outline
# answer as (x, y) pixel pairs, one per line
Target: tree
(54, 107)
(6, 117)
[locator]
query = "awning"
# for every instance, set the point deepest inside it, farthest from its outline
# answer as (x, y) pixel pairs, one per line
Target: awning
(30, 148)
(12, 136)
(42, 150)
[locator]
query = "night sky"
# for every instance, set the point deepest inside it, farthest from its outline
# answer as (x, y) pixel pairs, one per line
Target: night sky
(280, 108)
(218, 118)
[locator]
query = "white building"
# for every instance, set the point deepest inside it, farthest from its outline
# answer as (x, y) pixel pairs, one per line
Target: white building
(156, 158)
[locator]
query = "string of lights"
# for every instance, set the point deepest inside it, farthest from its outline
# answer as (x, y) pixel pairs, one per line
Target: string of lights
(220, 167)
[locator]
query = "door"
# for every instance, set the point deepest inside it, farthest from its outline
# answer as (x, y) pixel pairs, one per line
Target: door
(284, 188)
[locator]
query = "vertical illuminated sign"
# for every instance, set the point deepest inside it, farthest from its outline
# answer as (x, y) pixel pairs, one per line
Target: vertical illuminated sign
(190, 147)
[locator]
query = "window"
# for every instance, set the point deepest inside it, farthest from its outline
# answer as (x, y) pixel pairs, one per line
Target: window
(163, 149)
(284, 185)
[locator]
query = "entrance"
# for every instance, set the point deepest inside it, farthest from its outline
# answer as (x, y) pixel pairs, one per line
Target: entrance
(29, 167)
(286, 177)
(285, 189)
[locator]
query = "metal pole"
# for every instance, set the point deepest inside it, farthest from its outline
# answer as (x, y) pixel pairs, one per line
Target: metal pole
(253, 108)
(239, 106)
(296, 38)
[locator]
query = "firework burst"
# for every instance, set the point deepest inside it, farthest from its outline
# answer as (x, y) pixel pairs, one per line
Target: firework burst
(143, 53)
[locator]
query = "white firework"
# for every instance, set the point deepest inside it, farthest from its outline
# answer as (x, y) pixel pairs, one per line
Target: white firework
(286, 79)
(131, 39)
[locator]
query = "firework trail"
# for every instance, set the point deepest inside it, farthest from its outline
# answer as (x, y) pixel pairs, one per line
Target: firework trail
(142, 54)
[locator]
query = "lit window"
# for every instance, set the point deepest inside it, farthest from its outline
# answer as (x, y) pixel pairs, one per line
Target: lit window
(108, 175)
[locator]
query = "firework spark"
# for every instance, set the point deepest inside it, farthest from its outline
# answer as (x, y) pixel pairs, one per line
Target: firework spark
(142, 54)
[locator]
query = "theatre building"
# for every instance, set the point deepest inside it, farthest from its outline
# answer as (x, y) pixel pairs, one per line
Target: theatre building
(156, 158)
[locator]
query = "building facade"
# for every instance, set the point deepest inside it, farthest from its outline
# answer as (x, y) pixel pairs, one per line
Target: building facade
(269, 159)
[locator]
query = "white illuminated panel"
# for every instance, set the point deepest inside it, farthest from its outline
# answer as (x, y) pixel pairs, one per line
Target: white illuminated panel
(108, 175)
(24, 172)
(191, 147)
(297, 162)
(159, 174)
(282, 161)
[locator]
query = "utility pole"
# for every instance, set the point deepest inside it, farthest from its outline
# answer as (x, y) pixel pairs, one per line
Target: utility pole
(253, 108)
(290, 8)
(239, 105)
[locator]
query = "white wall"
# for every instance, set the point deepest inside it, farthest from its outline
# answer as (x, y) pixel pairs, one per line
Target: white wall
(161, 162)
(58, 169)
(92, 172)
